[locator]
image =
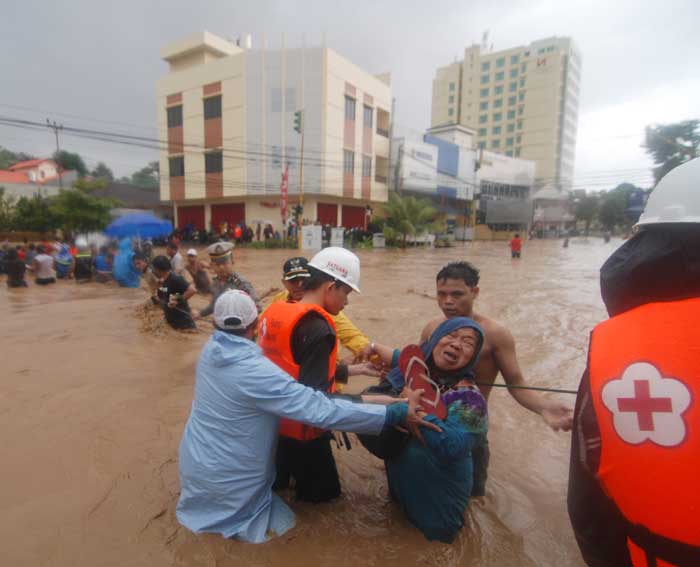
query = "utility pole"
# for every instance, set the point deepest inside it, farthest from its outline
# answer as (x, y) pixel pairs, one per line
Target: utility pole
(56, 127)
(299, 128)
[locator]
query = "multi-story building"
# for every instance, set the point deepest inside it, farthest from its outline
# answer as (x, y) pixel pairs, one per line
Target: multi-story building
(480, 194)
(228, 115)
(522, 102)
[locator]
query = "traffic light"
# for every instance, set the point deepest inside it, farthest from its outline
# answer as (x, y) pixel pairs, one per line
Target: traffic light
(298, 120)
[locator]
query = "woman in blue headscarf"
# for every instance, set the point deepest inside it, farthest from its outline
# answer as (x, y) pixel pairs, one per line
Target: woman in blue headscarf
(64, 262)
(432, 479)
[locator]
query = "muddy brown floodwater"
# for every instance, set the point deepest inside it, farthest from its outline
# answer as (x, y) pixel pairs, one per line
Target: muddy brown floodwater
(95, 391)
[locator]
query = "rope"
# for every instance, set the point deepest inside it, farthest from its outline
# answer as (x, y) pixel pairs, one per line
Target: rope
(536, 388)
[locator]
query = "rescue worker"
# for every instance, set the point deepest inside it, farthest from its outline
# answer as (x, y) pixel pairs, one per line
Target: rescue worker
(221, 256)
(83, 262)
(294, 273)
(227, 447)
(633, 497)
(300, 337)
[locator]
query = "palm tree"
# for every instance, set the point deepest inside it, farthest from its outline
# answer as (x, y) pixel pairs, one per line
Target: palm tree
(407, 215)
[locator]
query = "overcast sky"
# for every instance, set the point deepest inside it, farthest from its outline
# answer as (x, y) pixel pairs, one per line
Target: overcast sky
(94, 64)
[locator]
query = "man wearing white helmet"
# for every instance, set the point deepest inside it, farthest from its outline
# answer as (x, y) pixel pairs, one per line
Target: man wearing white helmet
(227, 449)
(300, 337)
(633, 497)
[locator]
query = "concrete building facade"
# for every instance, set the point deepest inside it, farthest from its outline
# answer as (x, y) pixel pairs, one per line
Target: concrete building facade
(228, 114)
(480, 194)
(522, 102)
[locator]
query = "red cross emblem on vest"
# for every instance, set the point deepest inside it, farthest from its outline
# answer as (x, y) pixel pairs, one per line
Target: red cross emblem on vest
(647, 406)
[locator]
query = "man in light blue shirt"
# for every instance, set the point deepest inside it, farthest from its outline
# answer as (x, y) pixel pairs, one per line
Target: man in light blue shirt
(227, 452)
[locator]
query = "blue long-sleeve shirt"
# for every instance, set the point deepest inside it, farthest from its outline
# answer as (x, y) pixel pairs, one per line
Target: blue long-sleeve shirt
(227, 463)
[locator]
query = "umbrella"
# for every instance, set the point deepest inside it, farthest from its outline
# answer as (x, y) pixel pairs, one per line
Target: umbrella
(143, 225)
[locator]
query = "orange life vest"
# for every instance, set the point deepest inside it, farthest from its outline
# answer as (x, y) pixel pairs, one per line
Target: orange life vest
(645, 387)
(275, 330)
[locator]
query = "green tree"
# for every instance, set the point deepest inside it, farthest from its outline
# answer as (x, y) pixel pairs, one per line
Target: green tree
(586, 210)
(101, 171)
(6, 210)
(89, 186)
(8, 158)
(71, 161)
(613, 205)
(34, 213)
(670, 145)
(407, 216)
(148, 176)
(77, 211)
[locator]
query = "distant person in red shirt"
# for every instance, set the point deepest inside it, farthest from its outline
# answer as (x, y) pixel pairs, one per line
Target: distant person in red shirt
(516, 245)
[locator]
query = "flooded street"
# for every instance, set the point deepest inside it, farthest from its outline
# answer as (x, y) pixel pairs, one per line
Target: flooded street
(95, 391)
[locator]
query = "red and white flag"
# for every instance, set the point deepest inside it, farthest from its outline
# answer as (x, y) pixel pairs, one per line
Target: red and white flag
(284, 194)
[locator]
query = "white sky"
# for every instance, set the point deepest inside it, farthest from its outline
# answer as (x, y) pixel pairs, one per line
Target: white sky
(86, 61)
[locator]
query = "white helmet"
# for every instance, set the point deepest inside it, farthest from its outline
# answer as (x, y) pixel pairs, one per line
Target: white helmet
(676, 198)
(339, 263)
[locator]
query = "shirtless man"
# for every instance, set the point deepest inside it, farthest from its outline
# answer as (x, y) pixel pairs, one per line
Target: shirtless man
(457, 288)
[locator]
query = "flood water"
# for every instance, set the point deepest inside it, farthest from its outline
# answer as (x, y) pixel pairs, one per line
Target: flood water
(94, 394)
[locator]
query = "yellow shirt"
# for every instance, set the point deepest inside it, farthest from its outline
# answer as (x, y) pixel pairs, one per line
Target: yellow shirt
(349, 336)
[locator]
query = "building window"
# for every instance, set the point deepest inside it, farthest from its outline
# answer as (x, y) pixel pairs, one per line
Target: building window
(520, 110)
(174, 116)
(513, 87)
(513, 73)
(511, 100)
(177, 166)
(521, 97)
(517, 152)
(485, 66)
(348, 161)
(510, 128)
(500, 62)
(509, 153)
(482, 131)
(520, 124)
(483, 119)
(451, 99)
(349, 108)
(511, 114)
(213, 162)
(212, 107)
(484, 79)
(498, 90)
(452, 86)
(500, 76)
(514, 59)
(366, 166)
(368, 112)
(484, 92)
(509, 141)
(482, 145)
(495, 143)
(496, 130)
(484, 105)
(518, 138)
(450, 111)
(497, 116)
(498, 103)
(522, 82)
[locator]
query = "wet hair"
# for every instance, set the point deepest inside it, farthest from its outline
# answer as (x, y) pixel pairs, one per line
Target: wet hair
(517, 236)
(40, 249)
(464, 271)
(160, 263)
(12, 254)
(318, 278)
(140, 256)
(172, 245)
(32, 246)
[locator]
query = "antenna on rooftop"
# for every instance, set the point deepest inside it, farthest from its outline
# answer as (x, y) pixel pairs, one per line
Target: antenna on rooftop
(485, 40)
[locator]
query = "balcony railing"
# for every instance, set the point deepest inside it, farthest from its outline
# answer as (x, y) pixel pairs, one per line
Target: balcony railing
(382, 132)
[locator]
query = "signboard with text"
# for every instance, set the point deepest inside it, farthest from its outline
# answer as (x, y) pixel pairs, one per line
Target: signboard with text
(311, 237)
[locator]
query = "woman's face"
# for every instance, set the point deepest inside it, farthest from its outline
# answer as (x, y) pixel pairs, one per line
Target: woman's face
(455, 350)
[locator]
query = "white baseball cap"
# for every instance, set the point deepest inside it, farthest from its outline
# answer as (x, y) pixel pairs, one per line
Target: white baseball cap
(191, 252)
(234, 310)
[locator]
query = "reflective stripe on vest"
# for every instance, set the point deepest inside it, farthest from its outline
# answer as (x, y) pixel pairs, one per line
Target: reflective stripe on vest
(645, 382)
(275, 330)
